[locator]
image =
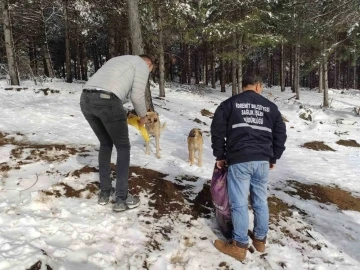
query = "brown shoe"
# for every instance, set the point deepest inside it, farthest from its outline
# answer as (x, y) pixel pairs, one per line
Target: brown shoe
(231, 249)
(259, 245)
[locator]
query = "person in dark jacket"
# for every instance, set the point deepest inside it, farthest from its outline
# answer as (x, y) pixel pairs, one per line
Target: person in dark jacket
(247, 134)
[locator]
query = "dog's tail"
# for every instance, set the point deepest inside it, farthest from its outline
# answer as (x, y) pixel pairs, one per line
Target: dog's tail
(163, 127)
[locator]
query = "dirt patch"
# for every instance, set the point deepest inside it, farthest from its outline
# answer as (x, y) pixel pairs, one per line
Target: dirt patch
(278, 210)
(5, 140)
(196, 120)
(4, 167)
(325, 194)
(207, 113)
(64, 190)
(83, 170)
(167, 197)
(49, 152)
(46, 91)
(37, 266)
(349, 143)
(317, 146)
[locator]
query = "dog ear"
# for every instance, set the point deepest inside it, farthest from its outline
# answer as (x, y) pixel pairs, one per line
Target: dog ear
(192, 133)
(200, 132)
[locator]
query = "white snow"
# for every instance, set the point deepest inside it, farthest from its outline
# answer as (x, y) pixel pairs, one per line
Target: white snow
(77, 233)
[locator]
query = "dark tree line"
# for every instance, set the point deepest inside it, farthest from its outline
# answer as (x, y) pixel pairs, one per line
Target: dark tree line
(289, 43)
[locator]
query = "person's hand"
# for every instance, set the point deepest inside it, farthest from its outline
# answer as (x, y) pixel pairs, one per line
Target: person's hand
(143, 120)
(220, 164)
(272, 166)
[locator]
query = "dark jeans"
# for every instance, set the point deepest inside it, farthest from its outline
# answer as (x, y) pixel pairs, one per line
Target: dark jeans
(107, 118)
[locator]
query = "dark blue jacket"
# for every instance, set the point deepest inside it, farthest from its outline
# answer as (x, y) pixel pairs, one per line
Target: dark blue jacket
(248, 127)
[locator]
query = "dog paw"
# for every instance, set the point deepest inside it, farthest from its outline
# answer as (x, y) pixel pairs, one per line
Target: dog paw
(158, 156)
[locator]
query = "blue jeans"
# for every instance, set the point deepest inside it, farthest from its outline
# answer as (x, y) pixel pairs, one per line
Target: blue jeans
(244, 178)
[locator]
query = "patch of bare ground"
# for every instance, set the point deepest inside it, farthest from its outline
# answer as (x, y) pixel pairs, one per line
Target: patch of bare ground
(45, 152)
(4, 167)
(197, 120)
(207, 113)
(4, 139)
(167, 197)
(64, 190)
(281, 211)
(37, 266)
(83, 170)
(278, 210)
(344, 200)
(317, 146)
(348, 143)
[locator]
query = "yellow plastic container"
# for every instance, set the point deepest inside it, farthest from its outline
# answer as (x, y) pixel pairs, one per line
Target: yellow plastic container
(141, 128)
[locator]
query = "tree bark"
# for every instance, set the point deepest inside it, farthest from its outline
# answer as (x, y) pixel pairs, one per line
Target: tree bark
(233, 67)
(69, 78)
(112, 46)
(282, 68)
(213, 69)
(9, 44)
(297, 71)
(321, 76)
(196, 66)
(188, 64)
(205, 65)
(325, 79)
(135, 27)
(136, 42)
(45, 47)
(161, 53)
(222, 76)
(239, 63)
(291, 79)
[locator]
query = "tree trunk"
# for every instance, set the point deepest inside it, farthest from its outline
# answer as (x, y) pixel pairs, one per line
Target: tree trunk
(188, 64)
(9, 44)
(233, 67)
(161, 54)
(297, 71)
(112, 45)
(354, 68)
(282, 68)
(239, 63)
(213, 69)
(136, 42)
(69, 78)
(291, 79)
(135, 27)
(205, 66)
(196, 64)
(325, 81)
(321, 76)
(222, 76)
(272, 73)
(45, 47)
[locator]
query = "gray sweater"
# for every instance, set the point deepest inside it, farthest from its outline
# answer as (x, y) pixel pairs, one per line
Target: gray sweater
(123, 75)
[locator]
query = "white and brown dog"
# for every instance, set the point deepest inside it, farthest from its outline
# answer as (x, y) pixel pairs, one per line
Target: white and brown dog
(154, 127)
(195, 144)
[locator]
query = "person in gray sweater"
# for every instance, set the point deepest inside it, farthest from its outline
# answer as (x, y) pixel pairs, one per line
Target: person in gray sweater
(101, 103)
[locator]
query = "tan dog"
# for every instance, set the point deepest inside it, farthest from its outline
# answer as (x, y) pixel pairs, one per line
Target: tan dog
(153, 127)
(195, 144)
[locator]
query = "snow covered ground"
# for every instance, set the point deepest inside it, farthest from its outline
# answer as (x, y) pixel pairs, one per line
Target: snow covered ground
(49, 218)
